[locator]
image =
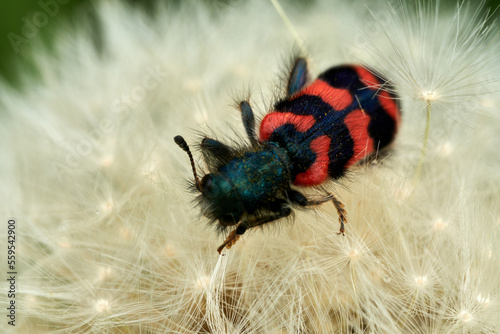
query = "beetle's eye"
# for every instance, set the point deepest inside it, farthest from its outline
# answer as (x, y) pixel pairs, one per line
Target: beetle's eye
(206, 185)
(227, 220)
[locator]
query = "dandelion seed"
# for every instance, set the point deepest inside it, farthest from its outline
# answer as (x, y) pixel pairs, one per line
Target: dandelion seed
(377, 274)
(439, 225)
(105, 207)
(103, 273)
(63, 226)
(64, 243)
(488, 103)
(483, 300)
(403, 192)
(107, 160)
(102, 305)
(281, 331)
(125, 233)
(192, 85)
(170, 250)
(201, 116)
(31, 302)
(241, 71)
(150, 168)
(421, 281)
(420, 163)
(465, 316)
(202, 283)
(445, 149)
(353, 254)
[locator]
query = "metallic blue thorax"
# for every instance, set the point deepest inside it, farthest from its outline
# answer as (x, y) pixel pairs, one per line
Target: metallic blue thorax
(256, 177)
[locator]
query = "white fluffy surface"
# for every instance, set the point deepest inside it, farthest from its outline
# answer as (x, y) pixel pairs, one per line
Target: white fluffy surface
(109, 239)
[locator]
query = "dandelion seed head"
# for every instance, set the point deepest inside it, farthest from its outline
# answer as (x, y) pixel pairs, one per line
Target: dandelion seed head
(420, 281)
(445, 61)
(429, 95)
(154, 264)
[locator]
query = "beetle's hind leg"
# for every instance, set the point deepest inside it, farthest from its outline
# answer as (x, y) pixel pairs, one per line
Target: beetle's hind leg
(299, 75)
(300, 199)
(279, 210)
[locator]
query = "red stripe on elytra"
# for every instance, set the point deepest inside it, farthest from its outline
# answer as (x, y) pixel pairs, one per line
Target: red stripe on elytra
(337, 98)
(274, 120)
(357, 122)
(318, 172)
(367, 77)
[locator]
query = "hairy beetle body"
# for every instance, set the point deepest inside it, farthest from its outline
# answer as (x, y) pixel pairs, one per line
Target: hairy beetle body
(315, 133)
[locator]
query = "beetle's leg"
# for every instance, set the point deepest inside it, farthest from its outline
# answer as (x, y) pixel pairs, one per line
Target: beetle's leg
(214, 150)
(300, 199)
(298, 77)
(281, 210)
(248, 121)
(215, 147)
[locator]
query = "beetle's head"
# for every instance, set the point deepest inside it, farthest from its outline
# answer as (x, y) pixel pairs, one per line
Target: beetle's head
(219, 200)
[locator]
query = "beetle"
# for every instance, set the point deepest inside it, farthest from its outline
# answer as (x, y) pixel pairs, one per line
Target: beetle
(315, 133)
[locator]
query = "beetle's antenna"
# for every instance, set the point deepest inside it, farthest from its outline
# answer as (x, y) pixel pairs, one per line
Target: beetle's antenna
(182, 144)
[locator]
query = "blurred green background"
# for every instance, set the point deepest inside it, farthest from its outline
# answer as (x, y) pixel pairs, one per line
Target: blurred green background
(19, 21)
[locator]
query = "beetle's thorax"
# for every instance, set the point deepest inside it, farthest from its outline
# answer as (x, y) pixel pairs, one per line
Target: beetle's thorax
(258, 176)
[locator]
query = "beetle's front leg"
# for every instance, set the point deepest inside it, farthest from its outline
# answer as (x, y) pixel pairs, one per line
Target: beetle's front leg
(281, 209)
